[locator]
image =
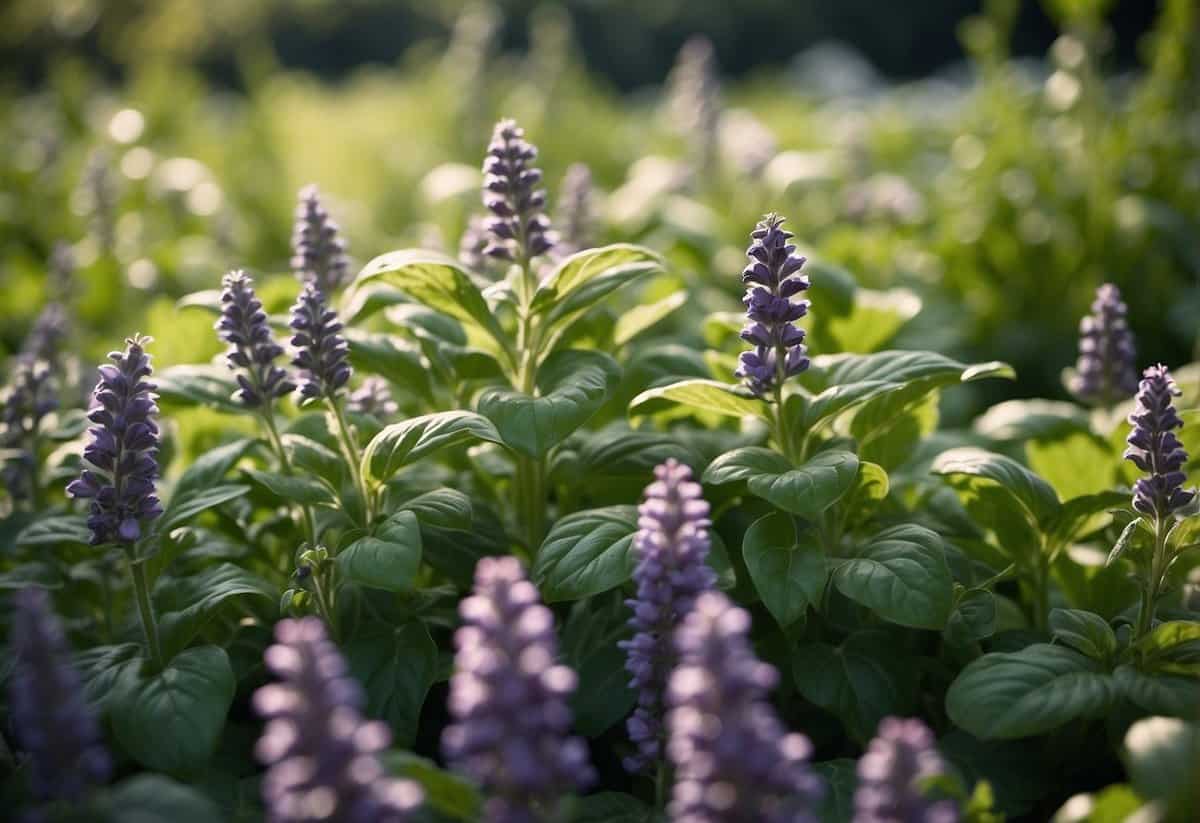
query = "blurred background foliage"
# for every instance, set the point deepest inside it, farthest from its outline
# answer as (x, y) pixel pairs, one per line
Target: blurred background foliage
(1000, 161)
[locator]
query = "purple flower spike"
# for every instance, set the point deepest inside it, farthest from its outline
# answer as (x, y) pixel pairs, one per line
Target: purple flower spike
(575, 210)
(1154, 448)
(50, 331)
(321, 351)
(773, 278)
(53, 722)
(671, 544)
(322, 756)
(508, 700)
(519, 229)
(734, 761)
(30, 395)
(318, 250)
(373, 397)
(902, 755)
(1105, 372)
(123, 449)
(252, 348)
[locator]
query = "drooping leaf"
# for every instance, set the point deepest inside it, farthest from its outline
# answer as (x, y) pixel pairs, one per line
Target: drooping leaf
(185, 604)
(1084, 631)
(404, 443)
(902, 576)
(387, 559)
(293, 488)
(707, 395)
(788, 570)
(193, 502)
(1034, 495)
(586, 553)
(811, 488)
(1160, 693)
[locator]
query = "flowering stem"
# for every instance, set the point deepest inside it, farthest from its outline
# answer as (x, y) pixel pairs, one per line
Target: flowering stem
(350, 453)
(141, 590)
(325, 606)
(308, 522)
(1152, 587)
(529, 493)
(782, 431)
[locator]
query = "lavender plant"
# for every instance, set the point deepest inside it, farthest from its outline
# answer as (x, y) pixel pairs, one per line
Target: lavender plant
(318, 249)
(672, 545)
(518, 229)
(373, 397)
(508, 700)
(575, 210)
(901, 757)
(24, 402)
(1105, 372)
(1159, 497)
(322, 756)
(733, 759)
(53, 722)
(695, 102)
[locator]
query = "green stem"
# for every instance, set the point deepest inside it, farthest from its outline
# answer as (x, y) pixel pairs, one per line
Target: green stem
(529, 492)
(141, 590)
(1041, 606)
(1152, 587)
(660, 787)
(782, 429)
(307, 520)
(350, 453)
(325, 606)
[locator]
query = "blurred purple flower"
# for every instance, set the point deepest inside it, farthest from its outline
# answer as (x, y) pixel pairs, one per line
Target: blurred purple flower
(575, 210)
(318, 250)
(508, 700)
(322, 756)
(1105, 372)
(1155, 449)
(123, 449)
(519, 229)
(252, 347)
(671, 545)
(773, 279)
(29, 396)
(373, 397)
(320, 350)
(734, 761)
(902, 755)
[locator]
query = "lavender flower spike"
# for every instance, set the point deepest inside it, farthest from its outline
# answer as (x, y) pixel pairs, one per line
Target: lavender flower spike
(252, 347)
(53, 722)
(508, 700)
(373, 397)
(123, 452)
(29, 397)
(318, 250)
(322, 756)
(1154, 448)
(890, 774)
(321, 351)
(575, 210)
(519, 229)
(773, 279)
(733, 759)
(1105, 372)
(671, 545)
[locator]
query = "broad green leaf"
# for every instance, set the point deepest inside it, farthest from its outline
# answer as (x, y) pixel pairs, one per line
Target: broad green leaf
(874, 320)
(589, 646)
(643, 317)
(446, 793)
(102, 667)
(744, 463)
(789, 570)
(896, 367)
(811, 488)
(396, 666)
(707, 395)
(455, 532)
(315, 458)
(1172, 642)
(185, 604)
(973, 618)
(208, 470)
(1077, 464)
(171, 721)
(902, 576)
(1085, 632)
(870, 489)
(56, 530)
(438, 282)
(623, 452)
(888, 427)
(971, 466)
(404, 443)
(1158, 693)
(387, 559)
(840, 778)
(193, 502)
(597, 270)
(574, 385)
(586, 553)
(293, 488)
(838, 398)
(209, 300)
(1160, 755)
(154, 798)
(396, 360)
(198, 385)
(1018, 694)
(1045, 420)
(861, 682)
(1083, 516)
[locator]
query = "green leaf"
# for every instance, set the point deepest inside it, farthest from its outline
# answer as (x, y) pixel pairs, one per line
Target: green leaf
(208, 299)
(1083, 516)
(438, 282)
(586, 553)
(788, 570)
(897, 367)
(193, 502)
(293, 488)
(208, 470)
(185, 604)
(589, 646)
(861, 682)
(387, 559)
(455, 532)
(1085, 632)
(396, 667)
(838, 398)
(1006, 695)
(211, 386)
(586, 276)
(973, 619)
(1172, 642)
(57, 530)
(622, 452)
(707, 395)
(574, 385)
(642, 317)
(1123, 541)
(871, 488)
(171, 721)
(1160, 754)
(902, 576)
(1046, 420)
(811, 488)
(446, 793)
(840, 778)
(153, 798)
(1034, 495)
(744, 463)
(1077, 464)
(404, 443)
(1158, 693)
(874, 320)
(103, 667)
(315, 458)
(396, 360)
